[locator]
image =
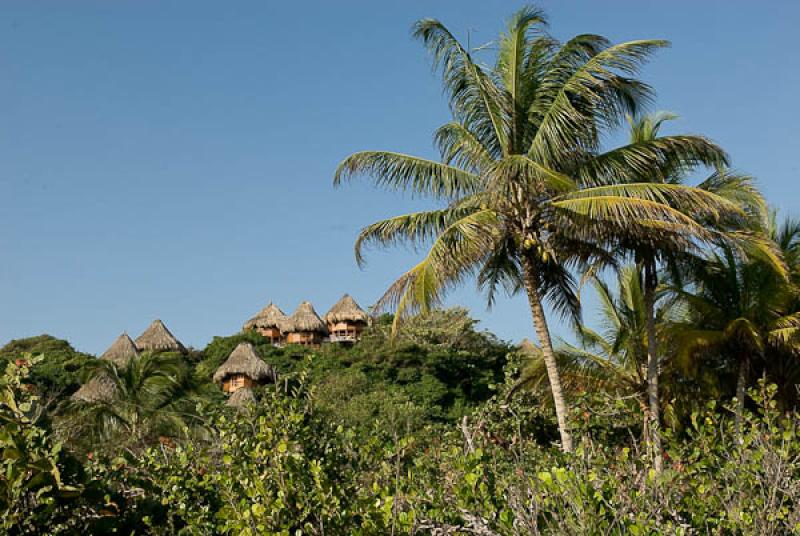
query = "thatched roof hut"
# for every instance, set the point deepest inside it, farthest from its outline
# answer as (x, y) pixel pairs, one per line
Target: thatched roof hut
(121, 351)
(304, 320)
(241, 398)
(157, 338)
(346, 321)
(346, 310)
(244, 361)
(100, 387)
(269, 317)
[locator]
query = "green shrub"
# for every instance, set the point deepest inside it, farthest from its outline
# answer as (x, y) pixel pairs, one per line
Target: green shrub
(58, 374)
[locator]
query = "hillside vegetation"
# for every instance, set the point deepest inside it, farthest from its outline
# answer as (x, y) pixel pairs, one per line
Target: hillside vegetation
(674, 411)
(428, 434)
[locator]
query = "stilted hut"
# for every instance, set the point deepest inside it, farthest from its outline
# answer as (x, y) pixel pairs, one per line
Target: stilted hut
(157, 338)
(304, 326)
(100, 387)
(268, 323)
(346, 320)
(243, 369)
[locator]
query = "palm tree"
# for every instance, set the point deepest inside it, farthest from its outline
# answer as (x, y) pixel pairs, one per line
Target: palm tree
(743, 308)
(612, 359)
(150, 396)
(526, 193)
(651, 249)
(783, 368)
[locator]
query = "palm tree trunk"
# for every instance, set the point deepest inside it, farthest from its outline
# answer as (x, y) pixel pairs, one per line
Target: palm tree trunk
(741, 386)
(543, 334)
(650, 283)
(645, 437)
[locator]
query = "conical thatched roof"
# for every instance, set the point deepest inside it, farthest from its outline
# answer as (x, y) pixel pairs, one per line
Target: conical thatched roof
(244, 360)
(241, 398)
(269, 317)
(121, 351)
(346, 310)
(99, 388)
(305, 318)
(157, 338)
(529, 347)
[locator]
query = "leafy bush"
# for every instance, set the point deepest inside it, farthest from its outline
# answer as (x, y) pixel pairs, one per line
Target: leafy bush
(273, 468)
(718, 480)
(58, 374)
(282, 466)
(39, 481)
(439, 364)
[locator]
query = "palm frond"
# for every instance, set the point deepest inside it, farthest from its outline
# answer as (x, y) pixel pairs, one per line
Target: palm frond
(501, 270)
(415, 228)
(696, 203)
(632, 217)
(741, 190)
(557, 285)
(399, 171)
(655, 160)
(608, 308)
(456, 253)
(785, 331)
(519, 50)
(461, 148)
(475, 100)
(686, 340)
(514, 45)
(758, 247)
(596, 95)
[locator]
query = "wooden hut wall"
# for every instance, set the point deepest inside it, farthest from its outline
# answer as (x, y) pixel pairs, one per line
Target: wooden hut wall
(345, 329)
(273, 334)
(307, 338)
(235, 382)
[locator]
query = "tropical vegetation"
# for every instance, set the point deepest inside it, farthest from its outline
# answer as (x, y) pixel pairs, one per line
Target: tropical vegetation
(529, 195)
(671, 407)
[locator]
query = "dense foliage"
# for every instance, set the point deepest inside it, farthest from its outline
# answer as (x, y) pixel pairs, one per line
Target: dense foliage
(526, 195)
(59, 373)
(675, 411)
(437, 369)
(282, 467)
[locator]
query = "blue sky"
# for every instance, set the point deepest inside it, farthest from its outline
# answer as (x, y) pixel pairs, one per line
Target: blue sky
(174, 159)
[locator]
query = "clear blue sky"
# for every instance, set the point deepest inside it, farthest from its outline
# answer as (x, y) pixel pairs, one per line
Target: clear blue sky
(174, 159)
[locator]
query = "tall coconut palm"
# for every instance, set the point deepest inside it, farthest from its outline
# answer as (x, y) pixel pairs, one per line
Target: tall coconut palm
(526, 193)
(649, 250)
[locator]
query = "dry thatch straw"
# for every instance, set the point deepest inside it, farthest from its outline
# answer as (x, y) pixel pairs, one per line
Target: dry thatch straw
(244, 360)
(157, 338)
(121, 351)
(241, 398)
(269, 317)
(304, 319)
(346, 310)
(100, 387)
(528, 347)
